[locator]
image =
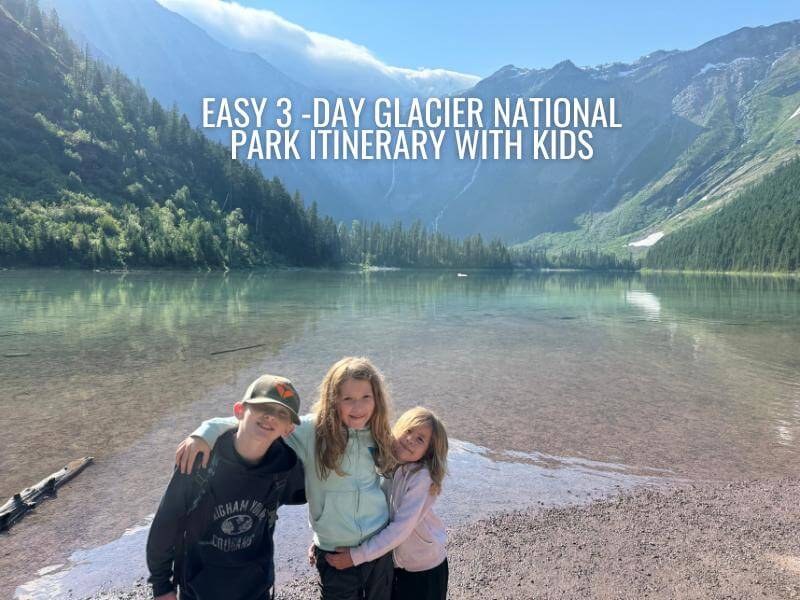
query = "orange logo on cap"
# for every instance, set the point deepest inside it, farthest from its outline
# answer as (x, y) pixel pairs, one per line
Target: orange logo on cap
(284, 390)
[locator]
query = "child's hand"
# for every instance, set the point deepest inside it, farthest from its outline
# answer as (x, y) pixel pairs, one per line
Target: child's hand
(312, 556)
(167, 596)
(340, 560)
(188, 450)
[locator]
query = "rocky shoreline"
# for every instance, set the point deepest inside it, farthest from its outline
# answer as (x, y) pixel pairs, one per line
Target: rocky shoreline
(726, 540)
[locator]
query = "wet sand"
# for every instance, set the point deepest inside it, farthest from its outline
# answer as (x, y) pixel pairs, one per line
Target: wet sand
(724, 540)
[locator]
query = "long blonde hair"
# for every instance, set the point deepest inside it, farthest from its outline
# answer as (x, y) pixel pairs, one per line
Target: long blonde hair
(331, 434)
(435, 459)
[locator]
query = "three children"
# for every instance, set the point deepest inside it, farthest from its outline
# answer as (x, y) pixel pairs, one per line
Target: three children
(345, 446)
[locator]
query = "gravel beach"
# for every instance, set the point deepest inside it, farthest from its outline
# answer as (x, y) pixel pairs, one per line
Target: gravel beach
(730, 540)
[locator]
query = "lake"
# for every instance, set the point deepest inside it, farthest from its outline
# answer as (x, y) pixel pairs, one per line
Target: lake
(555, 387)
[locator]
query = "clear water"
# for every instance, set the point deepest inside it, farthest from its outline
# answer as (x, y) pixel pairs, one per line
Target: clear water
(561, 381)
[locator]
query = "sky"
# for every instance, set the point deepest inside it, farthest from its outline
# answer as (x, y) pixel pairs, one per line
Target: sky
(479, 38)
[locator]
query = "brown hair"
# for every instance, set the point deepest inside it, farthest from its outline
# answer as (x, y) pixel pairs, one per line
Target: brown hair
(435, 457)
(331, 434)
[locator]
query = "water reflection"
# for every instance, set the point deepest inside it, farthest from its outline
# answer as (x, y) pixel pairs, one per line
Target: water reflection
(647, 302)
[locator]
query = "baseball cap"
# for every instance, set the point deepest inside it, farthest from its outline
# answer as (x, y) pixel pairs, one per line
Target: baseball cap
(272, 389)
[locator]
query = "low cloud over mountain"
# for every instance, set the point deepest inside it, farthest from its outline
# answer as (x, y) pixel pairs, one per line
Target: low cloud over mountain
(315, 59)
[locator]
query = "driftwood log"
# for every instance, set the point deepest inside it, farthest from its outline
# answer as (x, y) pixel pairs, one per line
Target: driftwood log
(13, 510)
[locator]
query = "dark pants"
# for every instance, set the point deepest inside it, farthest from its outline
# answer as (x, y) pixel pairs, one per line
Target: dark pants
(186, 594)
(368, 581)
(421, 585)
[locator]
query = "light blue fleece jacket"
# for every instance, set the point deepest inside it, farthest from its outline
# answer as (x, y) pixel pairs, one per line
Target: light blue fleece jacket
(342, 510)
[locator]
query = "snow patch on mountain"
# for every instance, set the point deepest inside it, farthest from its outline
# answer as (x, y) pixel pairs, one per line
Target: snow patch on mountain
(648, 241)
(627, 72)
(711, 67)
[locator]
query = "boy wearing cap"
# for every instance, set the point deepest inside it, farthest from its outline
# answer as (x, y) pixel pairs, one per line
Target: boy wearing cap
(212, 534)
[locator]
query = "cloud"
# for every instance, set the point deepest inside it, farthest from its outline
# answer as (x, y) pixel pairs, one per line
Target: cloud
(315, 59)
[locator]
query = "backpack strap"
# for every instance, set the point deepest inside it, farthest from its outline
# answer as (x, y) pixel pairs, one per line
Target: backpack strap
(200, 483)
(201, 480)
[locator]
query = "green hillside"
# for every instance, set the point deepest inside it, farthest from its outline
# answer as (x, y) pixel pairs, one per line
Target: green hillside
(757, 231)
(94, 173)
(739, 96)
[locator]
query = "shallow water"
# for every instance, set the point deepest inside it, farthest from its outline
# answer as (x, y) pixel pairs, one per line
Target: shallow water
(525, 480)
(696, 376)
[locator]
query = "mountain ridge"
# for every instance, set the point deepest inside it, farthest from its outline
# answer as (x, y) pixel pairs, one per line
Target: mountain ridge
(93, 173)
(199, 66)
(676, 72)
(697, 125)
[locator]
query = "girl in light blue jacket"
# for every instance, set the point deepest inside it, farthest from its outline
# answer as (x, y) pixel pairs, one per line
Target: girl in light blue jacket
(344, 444)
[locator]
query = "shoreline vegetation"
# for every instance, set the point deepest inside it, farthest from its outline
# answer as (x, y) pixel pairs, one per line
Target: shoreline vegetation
(368, 268)
(782, 274)
(759, 230)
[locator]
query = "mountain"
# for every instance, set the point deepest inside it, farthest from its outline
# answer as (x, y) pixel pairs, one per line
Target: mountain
(698, 125)
(758, 231)
(171, 58)
(318, 60)
(94, 173)
(179, 63)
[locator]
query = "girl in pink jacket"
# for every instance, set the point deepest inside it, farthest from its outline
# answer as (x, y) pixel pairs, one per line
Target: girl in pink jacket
(415, 534)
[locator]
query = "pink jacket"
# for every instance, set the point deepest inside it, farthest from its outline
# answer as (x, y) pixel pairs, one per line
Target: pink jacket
(414, 532)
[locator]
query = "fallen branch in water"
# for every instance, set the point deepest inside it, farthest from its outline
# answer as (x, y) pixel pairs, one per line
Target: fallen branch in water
(13, 510)
(237, 349)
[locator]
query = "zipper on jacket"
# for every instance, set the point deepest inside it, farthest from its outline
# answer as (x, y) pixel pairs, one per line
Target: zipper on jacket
(358, 488)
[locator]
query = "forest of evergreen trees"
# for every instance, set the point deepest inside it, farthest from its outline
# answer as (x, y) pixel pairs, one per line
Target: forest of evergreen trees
(592, 260)
(94, 173)
(757, 231)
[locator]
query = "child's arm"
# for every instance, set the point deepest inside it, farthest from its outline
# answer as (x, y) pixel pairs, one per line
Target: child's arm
(211, 429)
(302, 438)
(202, 439)
(165, 532)
(409, 510)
